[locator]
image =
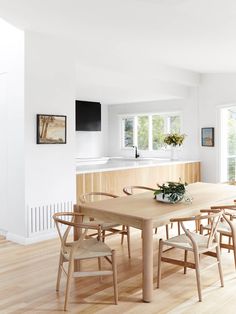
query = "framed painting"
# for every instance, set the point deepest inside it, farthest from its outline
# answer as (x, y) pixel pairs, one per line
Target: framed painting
(208, 137)
(51, 129)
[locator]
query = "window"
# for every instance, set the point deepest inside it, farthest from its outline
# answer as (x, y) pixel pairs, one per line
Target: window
(128, 126)
(143, 132)
(228, 147)
(158, 131)
(147, 131)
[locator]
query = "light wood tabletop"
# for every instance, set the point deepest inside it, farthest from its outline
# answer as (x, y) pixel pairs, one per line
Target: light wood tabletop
(142, 211)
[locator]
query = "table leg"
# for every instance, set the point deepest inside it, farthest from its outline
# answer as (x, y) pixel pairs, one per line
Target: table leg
(147, 261)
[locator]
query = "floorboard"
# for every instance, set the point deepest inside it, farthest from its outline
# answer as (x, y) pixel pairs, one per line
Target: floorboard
(28, 277)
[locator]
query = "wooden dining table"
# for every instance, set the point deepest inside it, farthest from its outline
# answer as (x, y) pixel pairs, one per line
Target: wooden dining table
(143, 212)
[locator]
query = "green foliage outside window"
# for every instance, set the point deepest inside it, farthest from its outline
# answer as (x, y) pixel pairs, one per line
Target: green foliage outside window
(231, 169)
(129, 132)
(231, 132)
(175, 124)
(231, 145)
(143, 132)
(158, 131)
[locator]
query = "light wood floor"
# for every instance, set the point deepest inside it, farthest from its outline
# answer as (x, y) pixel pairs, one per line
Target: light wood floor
(28, 276)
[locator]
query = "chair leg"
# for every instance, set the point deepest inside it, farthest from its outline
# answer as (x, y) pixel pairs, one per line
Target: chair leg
(220, 240)
(128, 240)
(114, 268)
(185, 260)
(178, 228)
(159, 263)
(167, 232)
(155, 230)
(197, 227)
(61, 259)
(99, 263)
(234, 249)
(122, 234)
(219, 265)
(197, 269)
(100, 267)
(99, 235)
(229, 244)
(103, 235)
(201, 229)
(68, 283)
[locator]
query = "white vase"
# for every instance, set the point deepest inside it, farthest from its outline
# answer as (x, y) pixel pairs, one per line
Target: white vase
(159, 197)
(173, 153)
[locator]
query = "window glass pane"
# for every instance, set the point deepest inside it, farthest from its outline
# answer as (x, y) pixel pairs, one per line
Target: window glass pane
(175, 124)
(231, 169)
(143, 132)
(128, 132)
(158, 130)
(232, 131)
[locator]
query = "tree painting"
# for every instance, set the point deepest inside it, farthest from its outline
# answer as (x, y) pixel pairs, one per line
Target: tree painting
(51, 129)
(44, 122)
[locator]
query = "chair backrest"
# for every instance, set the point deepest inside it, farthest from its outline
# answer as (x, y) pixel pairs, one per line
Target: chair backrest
(213, 217)
(64, 221)
(229, 214)
(95, 196)
(130, 190)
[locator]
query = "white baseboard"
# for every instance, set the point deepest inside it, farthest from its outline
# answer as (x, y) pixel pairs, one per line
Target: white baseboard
(30, 240)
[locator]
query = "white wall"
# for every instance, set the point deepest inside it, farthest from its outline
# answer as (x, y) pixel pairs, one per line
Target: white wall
(34, 175)
(93, 143)
(3, 154)
(12, 216)
(49, 89)
(216, 90)
(188, 108)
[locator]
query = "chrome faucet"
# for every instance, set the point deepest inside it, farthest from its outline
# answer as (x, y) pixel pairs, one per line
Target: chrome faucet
(136, 155)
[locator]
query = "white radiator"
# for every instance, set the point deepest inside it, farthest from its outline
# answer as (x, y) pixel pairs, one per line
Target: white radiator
(39, 218)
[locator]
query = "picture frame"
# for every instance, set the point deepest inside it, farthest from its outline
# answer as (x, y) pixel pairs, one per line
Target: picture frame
(208, 137)
(51, 129)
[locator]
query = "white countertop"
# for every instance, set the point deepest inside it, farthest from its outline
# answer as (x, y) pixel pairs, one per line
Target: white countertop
(119, 163)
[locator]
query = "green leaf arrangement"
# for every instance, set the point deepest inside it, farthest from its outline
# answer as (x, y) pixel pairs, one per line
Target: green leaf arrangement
(174, 139)
(174, 191)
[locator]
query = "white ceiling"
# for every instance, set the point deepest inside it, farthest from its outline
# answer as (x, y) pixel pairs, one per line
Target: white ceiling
(137, 36)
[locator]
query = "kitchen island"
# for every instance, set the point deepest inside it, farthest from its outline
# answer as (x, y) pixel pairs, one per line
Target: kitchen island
(111, 175)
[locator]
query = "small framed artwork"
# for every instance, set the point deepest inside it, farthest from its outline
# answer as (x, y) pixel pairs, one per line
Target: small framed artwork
(51, 129)
(208, 137)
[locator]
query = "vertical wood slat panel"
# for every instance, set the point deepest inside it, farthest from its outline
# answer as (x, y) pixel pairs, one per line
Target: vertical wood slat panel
(88, 183)
(80, 186)
(114, 181)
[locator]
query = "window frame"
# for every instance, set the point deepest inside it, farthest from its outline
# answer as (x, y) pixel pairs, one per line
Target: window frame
(135, 116)
(223, 150)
